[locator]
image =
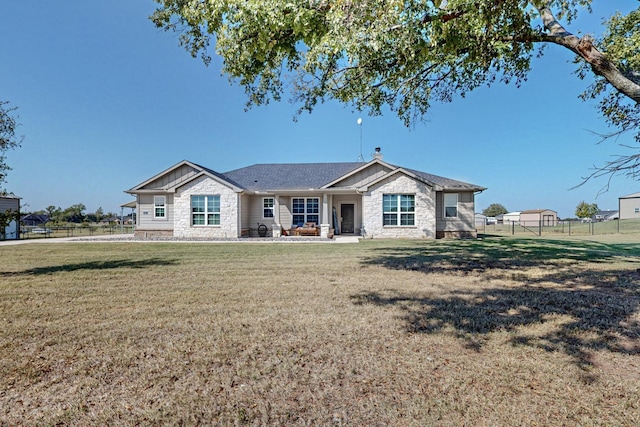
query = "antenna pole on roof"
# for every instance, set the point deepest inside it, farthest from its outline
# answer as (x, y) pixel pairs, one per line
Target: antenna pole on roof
(360, 157)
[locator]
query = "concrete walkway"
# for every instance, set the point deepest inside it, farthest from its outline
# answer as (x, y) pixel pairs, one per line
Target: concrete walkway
(102, 238)
(130, 238)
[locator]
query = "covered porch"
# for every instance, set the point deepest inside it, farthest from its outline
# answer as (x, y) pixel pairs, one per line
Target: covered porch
(306, 213)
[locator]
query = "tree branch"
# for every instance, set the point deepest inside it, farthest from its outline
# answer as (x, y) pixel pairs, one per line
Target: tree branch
(584, 48)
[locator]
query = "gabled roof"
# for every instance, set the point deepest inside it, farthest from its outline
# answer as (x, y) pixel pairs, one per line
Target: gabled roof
(606, 214)
(295, 176)
(307, 176)
(198, 171)
(447, 183)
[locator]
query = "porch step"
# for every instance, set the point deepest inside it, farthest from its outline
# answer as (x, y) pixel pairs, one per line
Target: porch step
(346, 239)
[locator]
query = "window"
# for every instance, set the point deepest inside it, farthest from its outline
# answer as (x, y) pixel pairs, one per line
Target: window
(305, 210)
(399, 209)
(636, 210)
(205, 210)
(451, 205)
(159, 207)
(267, 207)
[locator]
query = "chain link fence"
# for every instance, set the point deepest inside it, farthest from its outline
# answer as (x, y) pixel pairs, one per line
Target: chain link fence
(566, 227)
(44, 232)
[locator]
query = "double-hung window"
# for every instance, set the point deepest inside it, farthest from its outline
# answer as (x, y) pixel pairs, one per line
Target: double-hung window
(305, 210)
(159, 207)
(267, 207)
(205, 210)
(450, 205)
(399, 209)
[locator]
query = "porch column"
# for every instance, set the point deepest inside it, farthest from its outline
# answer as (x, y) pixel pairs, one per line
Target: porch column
(325, 225)
(277, 227)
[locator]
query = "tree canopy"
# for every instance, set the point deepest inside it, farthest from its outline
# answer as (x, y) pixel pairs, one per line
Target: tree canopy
(494, 209)
(406, 54)
(8, 138)
(586, 210)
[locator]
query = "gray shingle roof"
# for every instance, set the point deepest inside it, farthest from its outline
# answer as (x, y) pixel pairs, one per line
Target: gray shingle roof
(289, 176)
(446, 183)
(305, 176)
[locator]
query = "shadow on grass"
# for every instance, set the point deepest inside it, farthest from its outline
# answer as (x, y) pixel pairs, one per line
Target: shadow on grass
(94, 265)
(569, 306)
(497, 254)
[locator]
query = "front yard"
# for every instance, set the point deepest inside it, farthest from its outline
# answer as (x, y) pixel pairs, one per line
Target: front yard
(499, 331)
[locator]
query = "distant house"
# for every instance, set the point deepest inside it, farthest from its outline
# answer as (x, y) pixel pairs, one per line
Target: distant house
(606, 216)
(374, 199)
(109, 220)
(629, 206)
(34, 220)
(10, 203)
(539, 217)
(481, 220)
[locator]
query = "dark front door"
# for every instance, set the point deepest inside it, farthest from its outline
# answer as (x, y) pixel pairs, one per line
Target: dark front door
(347, 214)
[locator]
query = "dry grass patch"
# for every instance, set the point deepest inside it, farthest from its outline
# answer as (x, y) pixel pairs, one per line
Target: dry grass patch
(501, 331)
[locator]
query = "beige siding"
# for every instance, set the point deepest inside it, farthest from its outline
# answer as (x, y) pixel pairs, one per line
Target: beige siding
(628, 208)
(245, 206)
(534, 218)
(256, 212)
(285, 212)
(464, 222)
(172, 179)
(361, 178)
(146, 220)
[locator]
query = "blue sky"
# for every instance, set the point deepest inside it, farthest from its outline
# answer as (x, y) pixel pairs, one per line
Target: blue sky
(106, 101)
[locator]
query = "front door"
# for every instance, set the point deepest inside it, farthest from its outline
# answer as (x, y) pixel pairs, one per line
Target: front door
(347, 214)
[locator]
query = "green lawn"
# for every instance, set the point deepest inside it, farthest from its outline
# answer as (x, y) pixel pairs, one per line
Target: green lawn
(498, 331)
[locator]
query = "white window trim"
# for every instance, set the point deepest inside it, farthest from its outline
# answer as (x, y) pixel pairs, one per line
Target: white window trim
(163, 205)
(272, 208)
(445, 205)
(306, 214)
(206, 212)
(399, 213)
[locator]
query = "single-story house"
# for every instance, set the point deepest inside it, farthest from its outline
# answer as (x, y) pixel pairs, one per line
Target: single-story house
(34, 220)
(538, 217)
(10, 203)
(109, 220)
(629, 206)
(374, 199)
(606, 216)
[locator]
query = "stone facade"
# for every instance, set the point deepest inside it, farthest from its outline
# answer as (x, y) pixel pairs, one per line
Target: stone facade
(150, 234)
(443, 234)
(339, 188)
(425, 199)
(205, 186)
